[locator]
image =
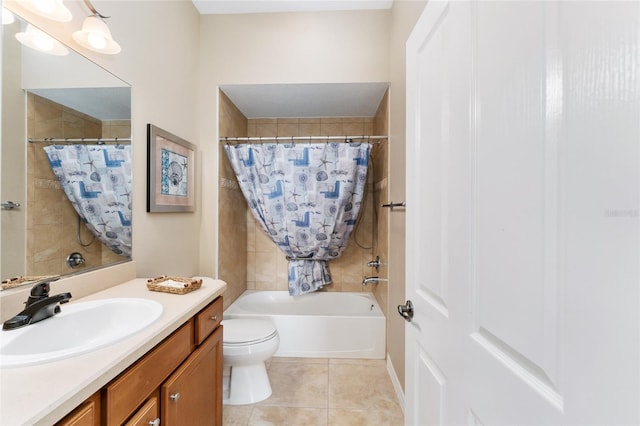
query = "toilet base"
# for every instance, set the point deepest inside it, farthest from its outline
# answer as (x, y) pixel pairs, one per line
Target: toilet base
(249, 384)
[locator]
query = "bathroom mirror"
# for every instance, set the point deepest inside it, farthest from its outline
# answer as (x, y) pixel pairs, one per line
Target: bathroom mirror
(66, 98)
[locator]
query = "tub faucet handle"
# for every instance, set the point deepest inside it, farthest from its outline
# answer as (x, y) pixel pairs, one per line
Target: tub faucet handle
(374, 263)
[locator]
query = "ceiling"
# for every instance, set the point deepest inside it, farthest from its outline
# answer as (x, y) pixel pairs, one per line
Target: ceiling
(102, 103)
(209, 7)
(306, 100)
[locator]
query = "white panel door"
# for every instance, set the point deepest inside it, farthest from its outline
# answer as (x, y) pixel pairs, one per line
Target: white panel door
(523, 187)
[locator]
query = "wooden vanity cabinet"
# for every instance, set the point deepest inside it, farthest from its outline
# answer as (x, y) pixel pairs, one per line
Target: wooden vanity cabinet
(178, 382)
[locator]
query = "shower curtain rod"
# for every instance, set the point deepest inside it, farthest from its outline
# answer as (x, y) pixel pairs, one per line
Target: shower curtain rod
(99, 141)
(260, 139)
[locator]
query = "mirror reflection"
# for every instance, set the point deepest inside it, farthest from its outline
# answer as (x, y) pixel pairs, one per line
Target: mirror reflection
(66, 163)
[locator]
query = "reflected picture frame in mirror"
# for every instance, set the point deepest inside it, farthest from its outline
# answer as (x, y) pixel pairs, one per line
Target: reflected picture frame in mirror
(54, 101)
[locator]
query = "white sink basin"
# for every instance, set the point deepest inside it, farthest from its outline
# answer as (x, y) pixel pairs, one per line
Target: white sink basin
(80, 328)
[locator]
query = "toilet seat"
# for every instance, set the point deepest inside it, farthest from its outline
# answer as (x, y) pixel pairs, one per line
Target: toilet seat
(243, 332)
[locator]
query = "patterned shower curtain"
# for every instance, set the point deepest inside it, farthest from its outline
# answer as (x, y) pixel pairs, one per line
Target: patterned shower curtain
(306, 197)
(97, 181)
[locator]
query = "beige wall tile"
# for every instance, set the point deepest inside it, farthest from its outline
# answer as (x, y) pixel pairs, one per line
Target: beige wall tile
(236, 265)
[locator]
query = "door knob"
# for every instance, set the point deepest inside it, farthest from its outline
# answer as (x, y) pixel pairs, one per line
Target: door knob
(406, 311)
(175, 396)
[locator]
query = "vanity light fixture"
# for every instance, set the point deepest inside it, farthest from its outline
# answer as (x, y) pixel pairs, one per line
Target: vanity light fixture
(51, 9)
(7, 17)
(39, 40)
(95, 36)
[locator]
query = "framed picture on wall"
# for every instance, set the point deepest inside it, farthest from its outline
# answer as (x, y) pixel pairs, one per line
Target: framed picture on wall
(171, 163)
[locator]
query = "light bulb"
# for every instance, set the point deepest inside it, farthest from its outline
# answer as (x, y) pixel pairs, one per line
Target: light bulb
(50, 9)
(97, 41)
(7, 17)
(43, 42)
(95, 35)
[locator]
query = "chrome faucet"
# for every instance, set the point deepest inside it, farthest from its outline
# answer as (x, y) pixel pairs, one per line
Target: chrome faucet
(371, 280)
(39, 306)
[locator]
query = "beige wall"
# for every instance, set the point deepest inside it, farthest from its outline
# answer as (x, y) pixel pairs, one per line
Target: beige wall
(404, 15)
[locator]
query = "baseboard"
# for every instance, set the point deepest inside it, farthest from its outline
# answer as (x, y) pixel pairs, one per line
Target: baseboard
(396, 383)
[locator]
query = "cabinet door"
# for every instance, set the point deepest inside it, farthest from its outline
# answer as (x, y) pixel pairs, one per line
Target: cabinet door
(192, 396)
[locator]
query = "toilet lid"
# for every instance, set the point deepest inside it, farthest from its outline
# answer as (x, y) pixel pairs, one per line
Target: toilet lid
(247, 331)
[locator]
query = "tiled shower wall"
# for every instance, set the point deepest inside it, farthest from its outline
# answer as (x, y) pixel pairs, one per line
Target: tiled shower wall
(380, 164)
(232, 209)
(51, 220)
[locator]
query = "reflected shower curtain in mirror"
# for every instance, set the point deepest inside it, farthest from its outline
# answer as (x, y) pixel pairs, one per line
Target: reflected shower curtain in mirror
(97, 181)
(306, 197)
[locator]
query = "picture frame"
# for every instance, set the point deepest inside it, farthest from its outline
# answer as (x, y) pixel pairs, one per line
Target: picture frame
(171, 164)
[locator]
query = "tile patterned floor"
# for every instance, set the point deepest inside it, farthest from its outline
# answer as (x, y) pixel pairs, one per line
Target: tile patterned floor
(332, 392)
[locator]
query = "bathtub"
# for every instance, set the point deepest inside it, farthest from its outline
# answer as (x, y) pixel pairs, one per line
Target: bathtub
(318, 325)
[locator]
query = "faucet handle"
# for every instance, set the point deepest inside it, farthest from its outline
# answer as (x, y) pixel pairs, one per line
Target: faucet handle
(38, 292)
(41, 289)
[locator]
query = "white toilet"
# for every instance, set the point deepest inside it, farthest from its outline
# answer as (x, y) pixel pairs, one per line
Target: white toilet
(247, 344)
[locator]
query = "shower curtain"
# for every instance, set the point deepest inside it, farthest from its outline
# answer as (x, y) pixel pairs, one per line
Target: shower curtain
(97, 181)
(306, 197)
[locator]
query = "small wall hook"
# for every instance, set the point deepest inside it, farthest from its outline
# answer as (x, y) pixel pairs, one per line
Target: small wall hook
(10, 205)
(391, 205)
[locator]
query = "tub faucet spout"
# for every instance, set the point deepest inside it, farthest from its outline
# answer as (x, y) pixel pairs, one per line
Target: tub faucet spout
(370, 280)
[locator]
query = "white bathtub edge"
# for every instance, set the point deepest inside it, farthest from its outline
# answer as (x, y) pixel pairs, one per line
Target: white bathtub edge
(396, 383)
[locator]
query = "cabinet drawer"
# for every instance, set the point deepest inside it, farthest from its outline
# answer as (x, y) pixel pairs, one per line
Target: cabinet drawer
(208, 320)
(148, 415)
(125, 394)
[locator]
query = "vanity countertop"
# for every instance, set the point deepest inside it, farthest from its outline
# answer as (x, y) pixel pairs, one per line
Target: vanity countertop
(43, 394)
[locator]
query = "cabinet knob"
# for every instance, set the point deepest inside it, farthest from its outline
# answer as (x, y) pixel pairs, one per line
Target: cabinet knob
(215, 318)
(175, 396)
(155, 422)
